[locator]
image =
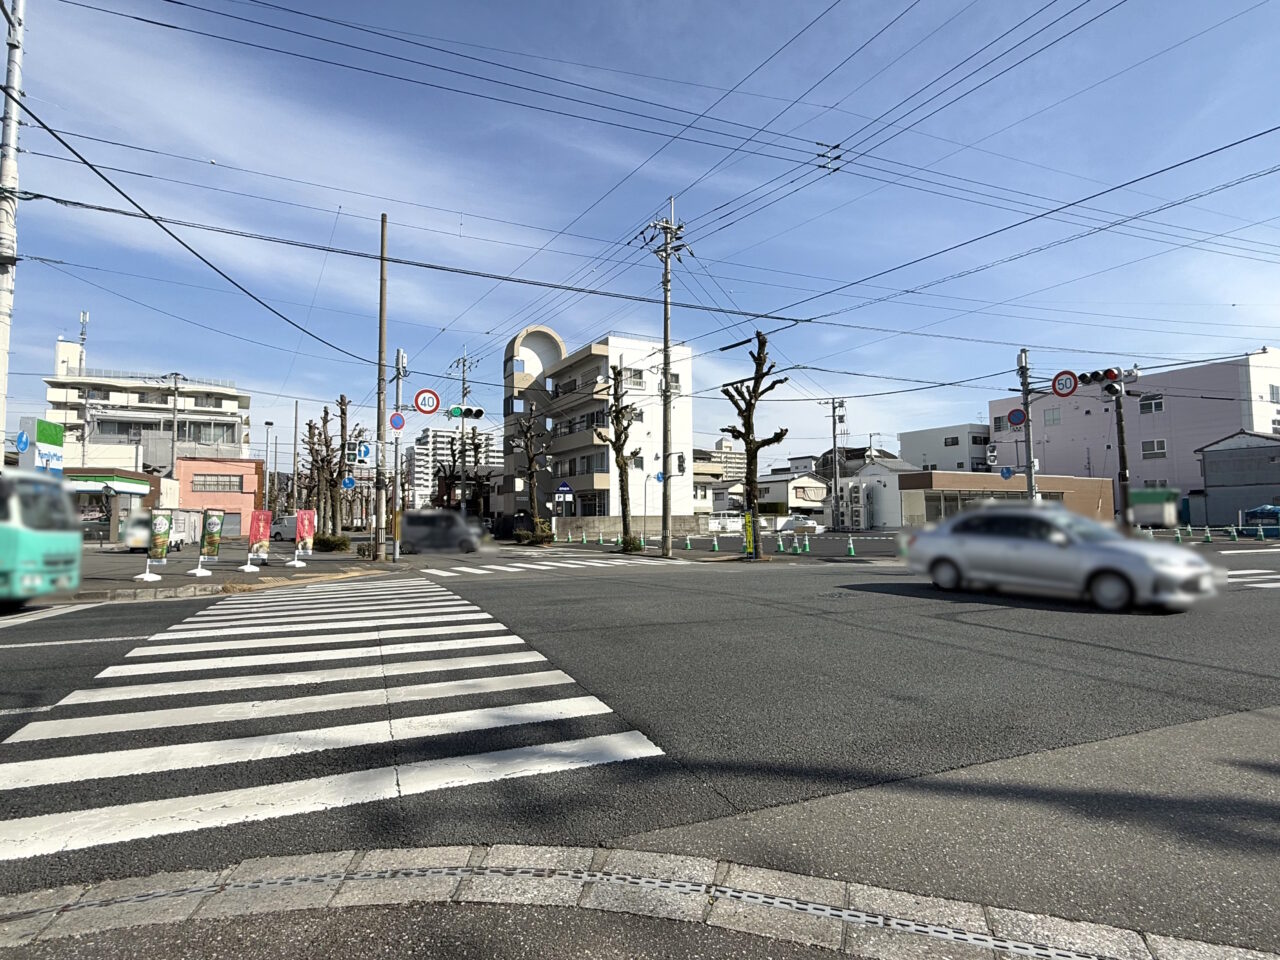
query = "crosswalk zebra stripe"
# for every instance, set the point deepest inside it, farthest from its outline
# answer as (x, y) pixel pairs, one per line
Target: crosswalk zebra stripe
(250, 710)
(144, 760)
(502, 569)
(174, 688)
(373, 622)
(80, 829)
(401, 588)
(321, 614)
(478, 572)
(440, 573)
(302, 656)
(256, 643)
(531, 566)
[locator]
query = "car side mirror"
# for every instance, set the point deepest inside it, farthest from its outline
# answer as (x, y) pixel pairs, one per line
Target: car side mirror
(1059, 538)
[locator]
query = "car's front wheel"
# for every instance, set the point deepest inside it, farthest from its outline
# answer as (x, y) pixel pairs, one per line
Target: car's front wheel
(277, 537)
(945, 575)
(1110, 592)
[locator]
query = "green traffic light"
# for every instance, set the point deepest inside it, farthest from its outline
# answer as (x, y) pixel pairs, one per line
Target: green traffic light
(455, 411)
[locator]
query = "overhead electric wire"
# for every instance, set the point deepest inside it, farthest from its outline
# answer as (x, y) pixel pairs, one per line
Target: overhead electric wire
(143, 212)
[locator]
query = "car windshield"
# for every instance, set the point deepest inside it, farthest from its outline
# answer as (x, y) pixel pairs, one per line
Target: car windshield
(1090, 531)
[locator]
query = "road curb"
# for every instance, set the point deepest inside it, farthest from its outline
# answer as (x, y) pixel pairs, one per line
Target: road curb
(835, 915)
(268, 582)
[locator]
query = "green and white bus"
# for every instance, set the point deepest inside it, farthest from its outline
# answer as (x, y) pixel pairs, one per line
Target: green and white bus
(40, 538)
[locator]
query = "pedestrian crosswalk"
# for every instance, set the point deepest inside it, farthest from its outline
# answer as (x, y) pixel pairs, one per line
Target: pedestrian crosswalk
(579, 564)
(282, 703)
(1260, 579)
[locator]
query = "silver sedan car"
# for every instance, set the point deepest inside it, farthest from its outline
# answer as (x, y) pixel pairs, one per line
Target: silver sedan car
(1046, 548)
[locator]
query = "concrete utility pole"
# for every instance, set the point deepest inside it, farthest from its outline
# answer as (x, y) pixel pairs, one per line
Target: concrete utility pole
(1126, 520)
(275, 477)
(402, 362)
(266, 465)
(293, 487)
(173, 441)
(463, 364)
(837, 406)
(1024, 373)
(671, 232)
(380, 477)
(9, 196)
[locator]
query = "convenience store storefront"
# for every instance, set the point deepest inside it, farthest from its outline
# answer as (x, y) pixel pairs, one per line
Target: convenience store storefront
(932, 495)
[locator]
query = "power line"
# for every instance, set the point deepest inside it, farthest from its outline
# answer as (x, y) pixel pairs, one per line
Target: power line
(143, 212)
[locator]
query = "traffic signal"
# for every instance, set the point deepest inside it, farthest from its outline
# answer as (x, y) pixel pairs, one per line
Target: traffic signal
(464, 413)
(680, 462)
(992, 457)
(1102, 377)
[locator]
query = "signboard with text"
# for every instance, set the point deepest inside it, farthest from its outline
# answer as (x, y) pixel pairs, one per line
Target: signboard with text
(306, 531)
(161, 524)
(211, 534)
(259, 534)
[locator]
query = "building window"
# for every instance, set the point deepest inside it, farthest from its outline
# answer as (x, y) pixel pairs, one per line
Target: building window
(1052, 416)
(632, 377)
(977, 441)
(997, 425)
(959, 464)
(1153, 450)
(1151, 404)
(951, 441)
(1155, 484)
(762, 491)
(206, 400)
(675, 383)
(217, 483)
(700, 491)
(1275, 393)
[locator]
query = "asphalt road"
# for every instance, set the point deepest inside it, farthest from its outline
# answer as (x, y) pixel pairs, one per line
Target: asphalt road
(836, 718)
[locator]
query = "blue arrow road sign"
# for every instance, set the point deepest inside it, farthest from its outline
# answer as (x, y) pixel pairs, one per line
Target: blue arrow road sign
(365, 451)
(22, 441)
(348, 483)
(660, 476)
(1006, 473)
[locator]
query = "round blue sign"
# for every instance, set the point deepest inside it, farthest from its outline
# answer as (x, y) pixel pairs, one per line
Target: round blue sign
(1017, 417)
(348, 483)
(1006, 473)
(660, 476)
(397, 421)
(365, 450)
(22, 441)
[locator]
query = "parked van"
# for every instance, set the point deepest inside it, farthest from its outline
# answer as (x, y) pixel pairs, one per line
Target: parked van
(286, 528)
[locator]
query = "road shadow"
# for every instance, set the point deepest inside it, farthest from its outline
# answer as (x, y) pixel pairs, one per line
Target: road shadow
(920, 590)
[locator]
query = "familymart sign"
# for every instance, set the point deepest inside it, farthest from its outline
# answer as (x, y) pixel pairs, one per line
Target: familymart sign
(39, 444)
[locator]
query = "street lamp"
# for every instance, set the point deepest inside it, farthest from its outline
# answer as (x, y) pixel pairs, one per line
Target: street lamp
(266, 466)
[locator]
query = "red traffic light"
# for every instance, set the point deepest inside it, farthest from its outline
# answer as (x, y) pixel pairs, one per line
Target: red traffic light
(1113, 373)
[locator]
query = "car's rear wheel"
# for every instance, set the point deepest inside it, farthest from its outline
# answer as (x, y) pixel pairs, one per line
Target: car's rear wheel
(277, 537)
(945, 575)
(1111, 592)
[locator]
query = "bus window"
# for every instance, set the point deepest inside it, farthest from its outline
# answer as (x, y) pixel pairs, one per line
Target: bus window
(44, 506)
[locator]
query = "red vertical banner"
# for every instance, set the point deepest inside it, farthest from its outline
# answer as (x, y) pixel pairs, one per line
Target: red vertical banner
(306, 531)
(259, 534)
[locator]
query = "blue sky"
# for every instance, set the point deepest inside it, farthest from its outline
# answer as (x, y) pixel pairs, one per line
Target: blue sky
(478, 184)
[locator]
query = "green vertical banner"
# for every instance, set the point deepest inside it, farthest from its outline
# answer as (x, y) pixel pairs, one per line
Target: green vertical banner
(161, 524)
(749, 532)
(211, 534)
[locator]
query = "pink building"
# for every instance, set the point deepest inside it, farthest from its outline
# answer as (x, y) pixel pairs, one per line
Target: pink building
(232, 485)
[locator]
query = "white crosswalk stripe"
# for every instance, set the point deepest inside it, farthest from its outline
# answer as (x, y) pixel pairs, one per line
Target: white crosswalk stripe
(560, 563)
(190, 731)
(1260, 579)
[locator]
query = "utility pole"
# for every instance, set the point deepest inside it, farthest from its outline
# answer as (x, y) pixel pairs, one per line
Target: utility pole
(1024, 373)
(293, 487)
(837, 408)
(1125, 518)
(380, 477)
(9, 195)
(266, 465)
(275, 477)
(173, 441)
(671, 232)
(402, 362)
(462, 363)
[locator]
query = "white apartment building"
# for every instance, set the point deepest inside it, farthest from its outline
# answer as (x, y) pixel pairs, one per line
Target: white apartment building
(430, 450)
(124, 420)
(961, 446)
(734, 461)
(1174, 414)
(569, 395)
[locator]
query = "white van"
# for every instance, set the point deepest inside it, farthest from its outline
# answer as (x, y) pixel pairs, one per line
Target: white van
(724, 522)
(286, 528)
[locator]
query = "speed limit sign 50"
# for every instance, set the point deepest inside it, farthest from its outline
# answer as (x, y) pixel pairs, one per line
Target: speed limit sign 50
(1065, 383)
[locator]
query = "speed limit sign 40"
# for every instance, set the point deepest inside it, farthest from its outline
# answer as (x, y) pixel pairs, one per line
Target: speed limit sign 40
(426, 401)
(1065, 383)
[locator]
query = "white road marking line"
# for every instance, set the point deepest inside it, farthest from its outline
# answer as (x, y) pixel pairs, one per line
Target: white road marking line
(383, 588)
(311, 639)
(222, 610)
(144, 760)
(302, 656)
(34, 615)
(502, 569)
(1253, 576)
(437, 573)
(323, 616)
(532, 566)
(174, 688)
(371, 622)
(252, 710)
(561, 563)
(1263, 586)
(1253, 550)
(422, 588)
(596, 563)
(79, 829)
(18, 711)
(481, 573)
(1241, 573)
(57, 643)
